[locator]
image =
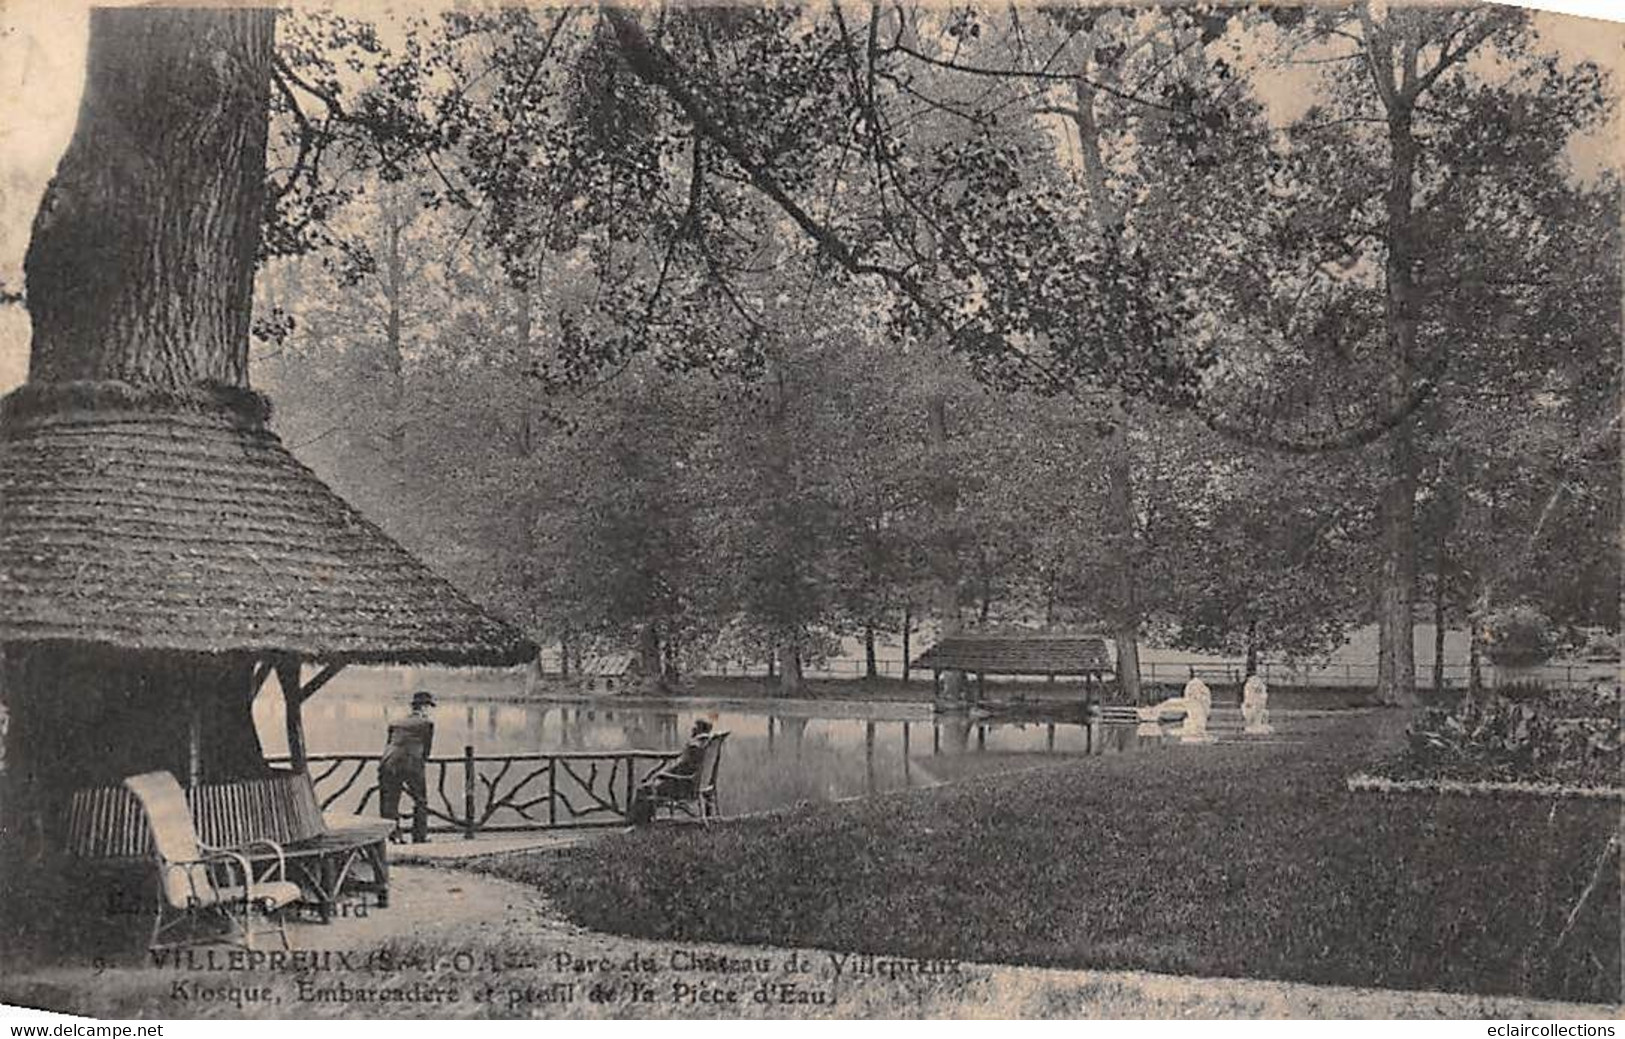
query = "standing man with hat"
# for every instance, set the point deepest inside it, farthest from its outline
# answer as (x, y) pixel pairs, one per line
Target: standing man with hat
(403, 765)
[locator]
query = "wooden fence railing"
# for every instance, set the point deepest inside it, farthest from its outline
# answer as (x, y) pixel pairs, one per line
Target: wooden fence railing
(473, 793)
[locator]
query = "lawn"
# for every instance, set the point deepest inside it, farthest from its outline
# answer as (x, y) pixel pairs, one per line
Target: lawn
(1227, 860)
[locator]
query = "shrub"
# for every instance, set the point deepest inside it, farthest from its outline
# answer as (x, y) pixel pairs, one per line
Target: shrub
(1601, 646)
(1520, 637)
(1572, 736)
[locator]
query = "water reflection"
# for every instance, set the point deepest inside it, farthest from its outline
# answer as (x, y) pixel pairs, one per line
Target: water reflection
(778, 753)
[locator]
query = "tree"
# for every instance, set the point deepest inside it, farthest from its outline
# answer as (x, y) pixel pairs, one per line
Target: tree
(117, 289)
(1328, 255)
(140, 272)
(1444, 137)
(1257, 553)
(1084, 62)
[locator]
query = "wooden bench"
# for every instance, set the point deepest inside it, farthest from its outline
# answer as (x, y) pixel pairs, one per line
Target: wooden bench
(327, 854)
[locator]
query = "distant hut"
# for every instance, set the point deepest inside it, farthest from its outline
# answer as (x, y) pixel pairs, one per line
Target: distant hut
(608, 673)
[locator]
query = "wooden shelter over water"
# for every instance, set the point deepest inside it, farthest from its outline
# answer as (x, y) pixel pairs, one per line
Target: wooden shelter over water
(1038, 654)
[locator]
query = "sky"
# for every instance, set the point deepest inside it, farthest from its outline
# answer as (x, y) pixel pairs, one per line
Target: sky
(42, 54)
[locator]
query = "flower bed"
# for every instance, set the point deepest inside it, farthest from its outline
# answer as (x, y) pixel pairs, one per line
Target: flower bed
(1567, 743)
(1360, 781)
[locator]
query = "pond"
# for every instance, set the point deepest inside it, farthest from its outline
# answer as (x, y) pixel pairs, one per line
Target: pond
(778, 752)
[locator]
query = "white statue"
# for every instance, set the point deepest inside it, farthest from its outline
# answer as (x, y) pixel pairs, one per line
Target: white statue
(1255, 696)
(1198, 705)
(1191, 708)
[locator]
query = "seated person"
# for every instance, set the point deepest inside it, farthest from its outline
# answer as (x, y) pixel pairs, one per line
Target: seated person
(675, 779)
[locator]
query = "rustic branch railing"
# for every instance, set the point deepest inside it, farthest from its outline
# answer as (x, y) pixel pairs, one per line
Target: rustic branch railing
(500, 792)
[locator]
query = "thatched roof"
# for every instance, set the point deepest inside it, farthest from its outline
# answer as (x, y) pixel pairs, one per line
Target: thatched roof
(1018, 654)
(154, 520)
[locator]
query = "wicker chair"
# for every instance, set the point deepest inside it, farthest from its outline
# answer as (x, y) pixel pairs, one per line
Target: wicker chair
(693, 795)
(199, 883)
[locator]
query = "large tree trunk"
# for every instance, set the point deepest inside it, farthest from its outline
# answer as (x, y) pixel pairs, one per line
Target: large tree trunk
(141, 270)
(530, 506)
(1125, 612)
(984, 578)
(944, 554)
(908, 632)
(649, 657)
(394, 276)
(1475, 662)
(141, 265)
(1252, 647)
(789, 611)
(789, 656)
(1396, 658)
(672, 674)
(1438, 621)
(1476, 640)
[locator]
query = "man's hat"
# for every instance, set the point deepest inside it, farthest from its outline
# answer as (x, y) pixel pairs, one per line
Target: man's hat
(422, 698)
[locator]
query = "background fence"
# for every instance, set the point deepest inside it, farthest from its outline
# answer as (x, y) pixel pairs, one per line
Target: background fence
(1333, 675)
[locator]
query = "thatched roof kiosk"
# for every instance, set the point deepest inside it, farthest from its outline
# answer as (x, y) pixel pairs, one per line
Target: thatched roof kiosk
(161, 554)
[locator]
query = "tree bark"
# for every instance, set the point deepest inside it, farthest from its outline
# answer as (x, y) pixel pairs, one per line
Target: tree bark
(141, 264)
(1396, 659)
(1475, 663)
(789, 654)
(871, 667)
(1438, 621)
(530, 506)
(1125, 612)
(984, 574)
(787, 611)
(672, 673)
(394, 350)
(908, 632)
(140, 269)
(944, 553)
(649, 659)
(1475, 645)
(1125, 606)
